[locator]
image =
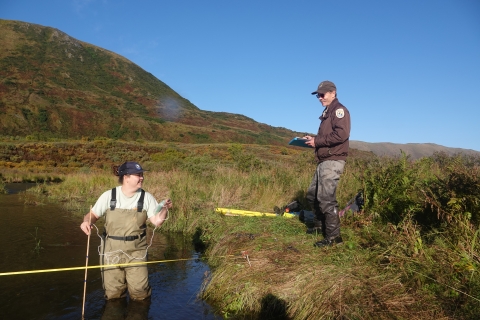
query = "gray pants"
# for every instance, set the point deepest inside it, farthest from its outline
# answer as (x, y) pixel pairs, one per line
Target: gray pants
(322, 196)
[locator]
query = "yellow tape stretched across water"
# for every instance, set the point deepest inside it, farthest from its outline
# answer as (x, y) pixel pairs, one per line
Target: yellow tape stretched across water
(101, 266)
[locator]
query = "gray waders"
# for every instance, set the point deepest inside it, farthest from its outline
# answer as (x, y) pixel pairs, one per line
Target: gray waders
(322, 196)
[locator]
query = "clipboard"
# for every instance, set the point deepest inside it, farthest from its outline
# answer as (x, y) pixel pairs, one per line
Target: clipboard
(299, 142)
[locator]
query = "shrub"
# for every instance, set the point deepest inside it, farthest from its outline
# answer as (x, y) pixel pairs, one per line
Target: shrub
(390, 188)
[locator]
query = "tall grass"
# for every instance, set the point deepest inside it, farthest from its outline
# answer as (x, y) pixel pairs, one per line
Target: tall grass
(412, 253)
(2, 186)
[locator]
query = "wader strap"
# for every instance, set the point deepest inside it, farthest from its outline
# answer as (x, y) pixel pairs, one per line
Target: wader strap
(129, 238)
(113, 201)
(140, 202)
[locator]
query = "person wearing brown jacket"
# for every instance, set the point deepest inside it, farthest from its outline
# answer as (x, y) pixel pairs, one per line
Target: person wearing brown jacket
(331, 150)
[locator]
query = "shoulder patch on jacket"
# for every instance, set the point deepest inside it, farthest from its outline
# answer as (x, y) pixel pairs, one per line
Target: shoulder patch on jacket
(340, 113)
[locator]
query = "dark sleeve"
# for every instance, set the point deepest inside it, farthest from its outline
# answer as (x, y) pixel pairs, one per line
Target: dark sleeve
(340, 131)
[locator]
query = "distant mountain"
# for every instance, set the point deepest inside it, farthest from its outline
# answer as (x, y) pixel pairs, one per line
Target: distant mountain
(415, 150)
(54, 86)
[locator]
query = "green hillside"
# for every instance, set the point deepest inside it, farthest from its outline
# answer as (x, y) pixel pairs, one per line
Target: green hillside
(54, 86)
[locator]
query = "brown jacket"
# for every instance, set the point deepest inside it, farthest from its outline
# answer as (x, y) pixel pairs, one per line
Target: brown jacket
(331, 141)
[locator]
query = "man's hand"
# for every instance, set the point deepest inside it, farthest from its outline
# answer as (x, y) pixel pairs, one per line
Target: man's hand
(310, 141)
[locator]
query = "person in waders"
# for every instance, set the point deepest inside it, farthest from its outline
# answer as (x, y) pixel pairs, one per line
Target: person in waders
(331, 150)
(126, 209)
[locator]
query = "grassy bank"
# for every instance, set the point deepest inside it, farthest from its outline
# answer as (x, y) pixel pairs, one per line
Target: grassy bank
(411, 254)
(2, 186)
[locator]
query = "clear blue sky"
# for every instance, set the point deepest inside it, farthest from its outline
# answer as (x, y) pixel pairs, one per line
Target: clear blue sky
(408, 70)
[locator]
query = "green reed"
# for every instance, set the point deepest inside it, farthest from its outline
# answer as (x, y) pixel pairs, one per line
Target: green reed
(37, 241)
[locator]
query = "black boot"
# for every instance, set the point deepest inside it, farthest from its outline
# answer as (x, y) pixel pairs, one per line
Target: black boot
(316, 226)
(328, 242)
(314, 230)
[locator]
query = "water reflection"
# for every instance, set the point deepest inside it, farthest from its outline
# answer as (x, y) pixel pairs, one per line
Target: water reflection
(46, 237)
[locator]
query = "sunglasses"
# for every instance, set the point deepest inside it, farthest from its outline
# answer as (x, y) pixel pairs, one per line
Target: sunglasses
(320, 95)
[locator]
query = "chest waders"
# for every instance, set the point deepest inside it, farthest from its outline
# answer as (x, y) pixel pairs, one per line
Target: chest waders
(322, 196)
(125, 241)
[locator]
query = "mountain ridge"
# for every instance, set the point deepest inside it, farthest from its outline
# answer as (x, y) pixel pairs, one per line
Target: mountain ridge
(55, 86)
(414, 150)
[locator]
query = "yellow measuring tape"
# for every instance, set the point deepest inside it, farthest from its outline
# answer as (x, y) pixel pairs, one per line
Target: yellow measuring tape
(100, 266)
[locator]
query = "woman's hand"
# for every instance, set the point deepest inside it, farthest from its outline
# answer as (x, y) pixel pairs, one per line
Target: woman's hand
(89, 219)
(160, 217)
(168, 203)
(86, 227)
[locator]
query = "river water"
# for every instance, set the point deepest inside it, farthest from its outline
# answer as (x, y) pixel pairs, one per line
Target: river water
(44, 236)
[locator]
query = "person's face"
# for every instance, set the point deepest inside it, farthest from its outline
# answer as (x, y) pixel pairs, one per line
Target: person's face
(134, 180)
(326, 98)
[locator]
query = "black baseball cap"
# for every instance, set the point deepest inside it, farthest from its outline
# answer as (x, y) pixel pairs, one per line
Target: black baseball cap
(130, 167)
(325, 86)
